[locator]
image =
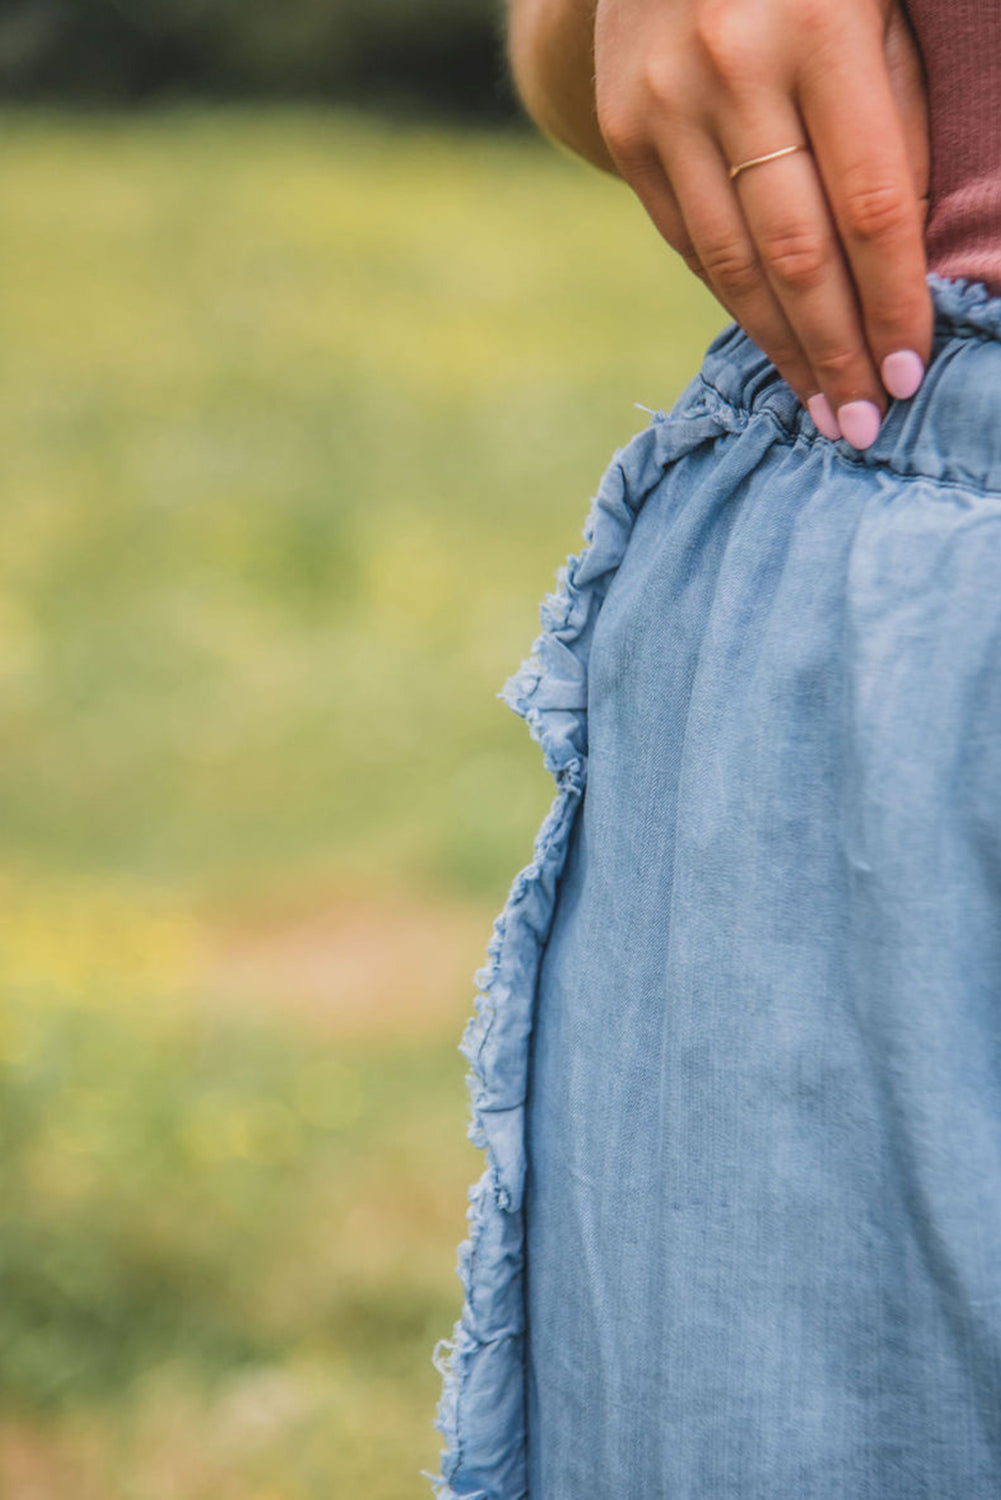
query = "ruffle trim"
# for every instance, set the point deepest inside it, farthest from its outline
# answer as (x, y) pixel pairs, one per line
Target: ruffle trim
(966, 304)
(481, 1414)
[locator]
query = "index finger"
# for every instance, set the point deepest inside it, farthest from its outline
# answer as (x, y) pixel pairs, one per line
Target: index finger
(854, 126)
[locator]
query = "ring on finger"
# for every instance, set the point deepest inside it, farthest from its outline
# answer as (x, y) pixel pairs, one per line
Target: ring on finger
(756, 161)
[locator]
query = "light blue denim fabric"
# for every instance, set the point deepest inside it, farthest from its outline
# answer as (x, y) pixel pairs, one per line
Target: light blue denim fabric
(737, 1060)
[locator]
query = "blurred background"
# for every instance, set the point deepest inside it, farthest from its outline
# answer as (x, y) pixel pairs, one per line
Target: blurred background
(311, 356)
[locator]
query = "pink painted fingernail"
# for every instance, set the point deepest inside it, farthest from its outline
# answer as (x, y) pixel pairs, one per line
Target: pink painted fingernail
(824, 419)
(859, 422)
(902, 371)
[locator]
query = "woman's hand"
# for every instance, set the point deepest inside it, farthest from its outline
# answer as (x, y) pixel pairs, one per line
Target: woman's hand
(819, 255)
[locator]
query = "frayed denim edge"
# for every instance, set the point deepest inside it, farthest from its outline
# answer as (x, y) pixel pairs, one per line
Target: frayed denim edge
(481, 1413)
(960, 303)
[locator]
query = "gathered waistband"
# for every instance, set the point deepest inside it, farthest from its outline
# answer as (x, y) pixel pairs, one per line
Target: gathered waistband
(949, 431)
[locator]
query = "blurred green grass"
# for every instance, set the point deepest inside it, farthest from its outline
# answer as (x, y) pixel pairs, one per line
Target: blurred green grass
(297, 416)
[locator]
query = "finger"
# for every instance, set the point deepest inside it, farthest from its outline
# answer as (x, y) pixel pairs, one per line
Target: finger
(783, 260)
(714, 228)
(645, 176)
(851, 115)
(910, 96)
(789, 220)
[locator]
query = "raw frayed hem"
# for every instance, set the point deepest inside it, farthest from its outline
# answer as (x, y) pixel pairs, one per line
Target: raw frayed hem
(481, 1412)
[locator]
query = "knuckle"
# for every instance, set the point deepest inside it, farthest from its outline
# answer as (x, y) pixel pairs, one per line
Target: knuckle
(623, 133)
(837, 363)
(892, 317)
(814, 16)
(692, 261)
(664, 85)
(796, 257)
(732, 267)
(875, 211)
(728, 38)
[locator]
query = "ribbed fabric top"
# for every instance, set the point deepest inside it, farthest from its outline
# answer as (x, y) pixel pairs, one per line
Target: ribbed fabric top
(960, 42)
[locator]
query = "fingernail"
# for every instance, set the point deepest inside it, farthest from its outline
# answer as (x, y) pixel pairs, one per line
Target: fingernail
(824, 419)
(902, 371)
(859, 422)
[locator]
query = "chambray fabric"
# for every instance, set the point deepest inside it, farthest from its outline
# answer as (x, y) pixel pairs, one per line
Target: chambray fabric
(737, 1058)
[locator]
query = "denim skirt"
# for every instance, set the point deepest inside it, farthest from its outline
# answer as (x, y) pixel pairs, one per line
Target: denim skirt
(736, 1061)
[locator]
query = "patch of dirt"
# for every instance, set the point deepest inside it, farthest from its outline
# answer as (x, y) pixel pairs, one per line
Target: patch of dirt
(34, 1466)
(361, 966)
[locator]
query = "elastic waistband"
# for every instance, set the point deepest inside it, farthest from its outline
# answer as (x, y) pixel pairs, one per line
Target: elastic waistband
(949, 431)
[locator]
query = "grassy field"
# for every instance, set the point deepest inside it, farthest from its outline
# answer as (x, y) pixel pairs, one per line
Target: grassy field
(298, 416)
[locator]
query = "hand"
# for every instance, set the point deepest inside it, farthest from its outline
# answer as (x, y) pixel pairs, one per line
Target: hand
(819, 255)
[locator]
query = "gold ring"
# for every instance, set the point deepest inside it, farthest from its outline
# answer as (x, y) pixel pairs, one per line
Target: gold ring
(756, 161)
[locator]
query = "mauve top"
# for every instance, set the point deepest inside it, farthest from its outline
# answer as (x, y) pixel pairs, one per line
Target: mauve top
(960, 42)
